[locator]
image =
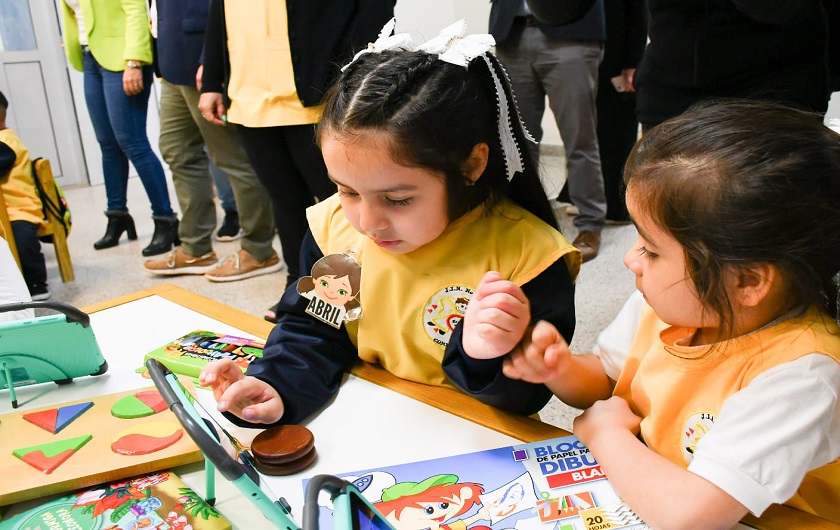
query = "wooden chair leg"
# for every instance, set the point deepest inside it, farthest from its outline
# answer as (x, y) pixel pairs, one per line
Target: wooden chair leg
(56, 227)
(62, 254)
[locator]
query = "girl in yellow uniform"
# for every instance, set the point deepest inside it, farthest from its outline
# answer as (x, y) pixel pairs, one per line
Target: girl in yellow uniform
(715, 391)
(429, 200)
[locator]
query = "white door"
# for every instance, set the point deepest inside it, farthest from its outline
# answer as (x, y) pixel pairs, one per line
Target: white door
(33, 76)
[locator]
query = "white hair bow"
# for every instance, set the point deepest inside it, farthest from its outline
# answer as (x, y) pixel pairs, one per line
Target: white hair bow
(453, 47)
(386, 41)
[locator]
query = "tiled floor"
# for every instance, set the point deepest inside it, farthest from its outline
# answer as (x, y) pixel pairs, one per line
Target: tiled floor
(602, 286)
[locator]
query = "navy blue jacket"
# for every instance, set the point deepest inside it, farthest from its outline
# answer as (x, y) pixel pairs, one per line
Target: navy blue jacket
(591, 27)
(304, 359)
(180, 38)
(708, 49)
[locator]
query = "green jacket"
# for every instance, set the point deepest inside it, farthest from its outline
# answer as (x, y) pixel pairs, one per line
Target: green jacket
(117, 30)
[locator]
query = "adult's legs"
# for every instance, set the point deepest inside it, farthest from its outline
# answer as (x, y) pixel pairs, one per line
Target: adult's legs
(251, 200)
(224, 191)
(182, 147)
(230, 229)
(617, 132)
(291, 168)
(127, 115)
(569, 72)
(527, 86)
(114, 161)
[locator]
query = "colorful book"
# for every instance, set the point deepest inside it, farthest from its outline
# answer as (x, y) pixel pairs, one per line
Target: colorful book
(551, 485)
(161, 500)
(188, 354)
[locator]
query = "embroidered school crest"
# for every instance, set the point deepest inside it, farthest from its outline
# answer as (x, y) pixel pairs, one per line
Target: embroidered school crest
(333, 289)
(444, 310)
(696, 426)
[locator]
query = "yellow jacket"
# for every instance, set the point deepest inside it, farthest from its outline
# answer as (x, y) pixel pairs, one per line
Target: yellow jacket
(410, 302)
(262, 81)
(117, 30)
(19, 191)
(678, 393)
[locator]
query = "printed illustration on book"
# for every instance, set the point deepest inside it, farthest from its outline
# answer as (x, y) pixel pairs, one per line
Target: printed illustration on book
(159, 501)
(550, 485)
(188, 354)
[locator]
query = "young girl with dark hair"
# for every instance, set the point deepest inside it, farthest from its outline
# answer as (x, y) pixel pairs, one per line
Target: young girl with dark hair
(429, 200)
(715, 391)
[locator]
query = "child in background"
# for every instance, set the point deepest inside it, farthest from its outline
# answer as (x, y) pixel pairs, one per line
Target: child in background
(428, 201)
(727, 361)
(12, 286)
(25, 210)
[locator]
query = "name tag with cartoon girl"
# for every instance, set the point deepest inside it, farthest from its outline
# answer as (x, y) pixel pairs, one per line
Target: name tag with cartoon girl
(332, 290)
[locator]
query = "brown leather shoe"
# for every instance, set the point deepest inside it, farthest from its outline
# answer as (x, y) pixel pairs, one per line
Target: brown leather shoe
(589, 243)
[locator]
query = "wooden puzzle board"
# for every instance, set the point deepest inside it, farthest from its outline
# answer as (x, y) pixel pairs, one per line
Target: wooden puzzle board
(94, 462)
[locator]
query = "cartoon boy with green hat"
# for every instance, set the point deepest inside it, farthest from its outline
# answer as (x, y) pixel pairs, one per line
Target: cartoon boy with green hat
(430, 503)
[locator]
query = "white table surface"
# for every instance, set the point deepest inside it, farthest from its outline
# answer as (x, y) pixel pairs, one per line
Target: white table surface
(365, 426)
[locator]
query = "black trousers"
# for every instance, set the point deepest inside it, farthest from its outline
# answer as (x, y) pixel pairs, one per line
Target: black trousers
(290, 166)
(617, 132)
(32, 262)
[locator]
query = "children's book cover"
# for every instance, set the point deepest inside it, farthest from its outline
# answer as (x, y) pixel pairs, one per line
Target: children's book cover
(551, 485)
(187, 355)
(160, 501)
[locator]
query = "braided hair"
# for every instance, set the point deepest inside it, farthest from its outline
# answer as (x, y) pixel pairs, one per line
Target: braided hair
(434, 114)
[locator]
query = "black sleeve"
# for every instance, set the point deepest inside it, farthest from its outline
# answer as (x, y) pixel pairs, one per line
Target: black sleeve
(636, 18)
(780, 12)
(304, 359)
(214, 57)
(552, 298)
(370, 16)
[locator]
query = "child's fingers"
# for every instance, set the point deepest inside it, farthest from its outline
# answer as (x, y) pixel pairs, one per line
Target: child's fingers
(267, 412)
(492, 320)
(244, 393)
(519, 368)
(502, 287)
(488, 278)
(545, 334)
(526, 366)
(498, 305)
(554, 356)
(224, 369)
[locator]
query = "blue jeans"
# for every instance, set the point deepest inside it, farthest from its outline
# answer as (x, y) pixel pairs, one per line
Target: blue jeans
(119, 122)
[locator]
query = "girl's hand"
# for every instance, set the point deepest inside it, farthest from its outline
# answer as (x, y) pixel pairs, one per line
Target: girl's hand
(604, 417)
(249, 398)
(132, 81)
(542, 356)
(496, 318)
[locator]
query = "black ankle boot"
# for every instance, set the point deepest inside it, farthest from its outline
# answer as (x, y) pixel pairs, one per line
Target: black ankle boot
(118, 222)
(165, 236)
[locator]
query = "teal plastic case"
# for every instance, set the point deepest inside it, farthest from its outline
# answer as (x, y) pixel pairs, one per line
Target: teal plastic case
(51, 348)
(221, 451)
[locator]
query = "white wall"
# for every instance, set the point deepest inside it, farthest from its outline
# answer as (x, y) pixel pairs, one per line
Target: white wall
(423, 19)
(832, 116)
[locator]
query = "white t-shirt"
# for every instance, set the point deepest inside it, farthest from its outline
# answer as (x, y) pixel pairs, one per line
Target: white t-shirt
(77, 11)
(769, 434)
